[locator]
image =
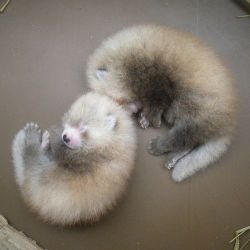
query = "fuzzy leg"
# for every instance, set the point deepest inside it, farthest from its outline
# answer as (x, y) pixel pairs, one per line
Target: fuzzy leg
(200, 157)
(169, 118)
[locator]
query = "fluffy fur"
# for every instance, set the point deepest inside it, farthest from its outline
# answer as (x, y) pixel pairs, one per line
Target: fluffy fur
(173, 76)
(71, 185)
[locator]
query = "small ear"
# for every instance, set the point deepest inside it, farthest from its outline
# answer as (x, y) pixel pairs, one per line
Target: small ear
(111, 121)
(82, 127)
(101, 74)
(134, 107)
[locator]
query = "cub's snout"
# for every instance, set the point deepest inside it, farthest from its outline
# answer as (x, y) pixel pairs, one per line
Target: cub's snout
(72, 137)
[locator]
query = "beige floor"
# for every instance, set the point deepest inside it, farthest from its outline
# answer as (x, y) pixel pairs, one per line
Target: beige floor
(44, 46)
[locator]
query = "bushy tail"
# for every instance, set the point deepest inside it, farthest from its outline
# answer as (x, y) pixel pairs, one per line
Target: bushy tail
(18, 146)
(200, 158)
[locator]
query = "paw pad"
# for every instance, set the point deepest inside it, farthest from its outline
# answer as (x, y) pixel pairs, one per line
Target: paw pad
(32, 133)
(31, 126)
(153, 147)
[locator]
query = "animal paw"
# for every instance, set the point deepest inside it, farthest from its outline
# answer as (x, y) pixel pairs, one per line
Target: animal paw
(45, 140)
(155, 147)
(143, 121)
(32, 133)
(179, 174)
(169, 164)
(156, 122)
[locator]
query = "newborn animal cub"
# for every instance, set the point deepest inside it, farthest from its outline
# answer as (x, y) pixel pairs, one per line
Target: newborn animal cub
(172, 76)
(76, 172)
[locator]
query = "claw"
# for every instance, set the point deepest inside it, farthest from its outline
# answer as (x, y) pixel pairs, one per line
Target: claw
(31, 125)
(144, 122)
(171, 164)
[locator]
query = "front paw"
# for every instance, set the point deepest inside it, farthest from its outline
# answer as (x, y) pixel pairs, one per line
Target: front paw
(32, 134)
(154, 117)
(143, 121)
(156, 122)
(155, 147)
(45, 140)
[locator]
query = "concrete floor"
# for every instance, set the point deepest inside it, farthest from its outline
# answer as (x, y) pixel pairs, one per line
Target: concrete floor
(44, 46)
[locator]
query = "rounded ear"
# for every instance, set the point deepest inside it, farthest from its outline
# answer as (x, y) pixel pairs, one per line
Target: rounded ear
(111, 121)
(134, 107)
(101, 74)
(82, 127)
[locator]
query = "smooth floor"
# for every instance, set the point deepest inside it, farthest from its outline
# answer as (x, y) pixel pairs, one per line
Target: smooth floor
(44, 46)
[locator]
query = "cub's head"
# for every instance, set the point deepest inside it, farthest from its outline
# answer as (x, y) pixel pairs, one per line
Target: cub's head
(90, 122)
(107, 75)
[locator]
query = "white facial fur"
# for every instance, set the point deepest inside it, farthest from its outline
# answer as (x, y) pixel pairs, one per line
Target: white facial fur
(72, 136)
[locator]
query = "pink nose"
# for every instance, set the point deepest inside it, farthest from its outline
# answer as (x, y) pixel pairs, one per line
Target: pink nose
(71, 137)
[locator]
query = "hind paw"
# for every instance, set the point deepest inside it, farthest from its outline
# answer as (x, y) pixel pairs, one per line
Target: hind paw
(155, 146)
(169, 164)
(156, 122)
(45, 140)
(31, 126)
(32, 133)
(143, 121)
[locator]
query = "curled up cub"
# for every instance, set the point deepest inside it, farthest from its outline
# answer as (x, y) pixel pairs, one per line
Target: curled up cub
(169, 75)
(76, 172)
